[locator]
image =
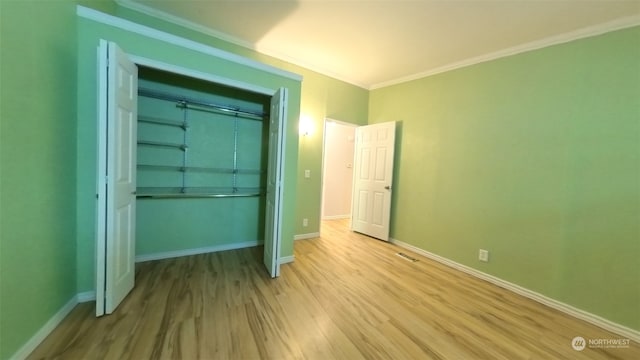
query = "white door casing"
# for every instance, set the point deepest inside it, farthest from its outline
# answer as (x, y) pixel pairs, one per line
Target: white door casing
(115, 243)
(275, 174)
(373, 179)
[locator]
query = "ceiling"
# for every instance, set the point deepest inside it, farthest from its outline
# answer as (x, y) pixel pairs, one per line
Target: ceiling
(372, 43)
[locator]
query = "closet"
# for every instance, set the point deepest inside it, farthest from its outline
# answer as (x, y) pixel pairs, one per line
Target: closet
(188, 162)
(202, 156)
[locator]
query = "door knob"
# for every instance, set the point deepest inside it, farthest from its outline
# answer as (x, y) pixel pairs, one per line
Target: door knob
(388, 187)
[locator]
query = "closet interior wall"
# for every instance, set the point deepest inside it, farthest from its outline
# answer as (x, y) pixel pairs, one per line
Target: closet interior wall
(201, 169)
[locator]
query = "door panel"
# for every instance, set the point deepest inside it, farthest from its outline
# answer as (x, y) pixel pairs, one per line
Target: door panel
(115, 249)
(275, 174)
(373, 183)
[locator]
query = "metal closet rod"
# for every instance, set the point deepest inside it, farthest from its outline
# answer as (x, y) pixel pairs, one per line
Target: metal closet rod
(196, 196)
(196, 192)
(190, 101)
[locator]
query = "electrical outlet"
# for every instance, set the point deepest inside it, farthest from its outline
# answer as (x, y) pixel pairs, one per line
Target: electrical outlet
(305, 222)
(307, 174)
(483, 255)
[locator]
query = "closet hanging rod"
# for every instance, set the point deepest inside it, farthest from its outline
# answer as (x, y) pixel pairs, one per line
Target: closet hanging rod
(158, 121)
(200, 169)
(182, 147)
(195, 196)
(190, 101)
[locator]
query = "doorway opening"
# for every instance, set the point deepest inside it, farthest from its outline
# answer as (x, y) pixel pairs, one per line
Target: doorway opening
(337, 169)
(201, 165)
(358, 175)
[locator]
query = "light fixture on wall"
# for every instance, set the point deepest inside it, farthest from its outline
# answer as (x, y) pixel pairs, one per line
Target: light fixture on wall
(305, 125)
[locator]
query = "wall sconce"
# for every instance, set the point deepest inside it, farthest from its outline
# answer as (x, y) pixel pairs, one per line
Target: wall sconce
(305, 125)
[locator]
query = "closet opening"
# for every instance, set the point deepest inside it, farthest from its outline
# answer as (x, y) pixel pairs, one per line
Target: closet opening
(202, 156)
(188, 163)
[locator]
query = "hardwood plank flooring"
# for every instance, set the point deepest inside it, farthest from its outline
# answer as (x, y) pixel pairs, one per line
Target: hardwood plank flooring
(346, 296)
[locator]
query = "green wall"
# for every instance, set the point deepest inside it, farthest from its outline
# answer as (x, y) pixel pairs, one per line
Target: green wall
(534, 157)
(37, 162)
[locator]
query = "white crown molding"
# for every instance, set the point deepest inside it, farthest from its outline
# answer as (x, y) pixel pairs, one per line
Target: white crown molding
(553, 303)
(176, 20)
(147, 10)
(311, 67)
(618, 24)
(133, 27)
(591, 31)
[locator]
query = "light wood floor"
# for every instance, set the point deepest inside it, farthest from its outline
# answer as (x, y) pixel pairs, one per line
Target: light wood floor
(345, 297)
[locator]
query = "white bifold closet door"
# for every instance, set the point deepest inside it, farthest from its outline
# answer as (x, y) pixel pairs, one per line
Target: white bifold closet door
(116, 179)
(115, 243)
(373, 179)
(275, 172)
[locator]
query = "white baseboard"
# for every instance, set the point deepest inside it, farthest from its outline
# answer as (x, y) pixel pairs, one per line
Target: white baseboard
(337, 217)
(204, 250)
(86, 296)
(287, 259)
(45, 330)
(306, 236)
(555, 304)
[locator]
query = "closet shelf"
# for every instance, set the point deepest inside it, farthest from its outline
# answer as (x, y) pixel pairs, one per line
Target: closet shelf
(182, 147)
(196, 192)
(158, 121)
(198, 169)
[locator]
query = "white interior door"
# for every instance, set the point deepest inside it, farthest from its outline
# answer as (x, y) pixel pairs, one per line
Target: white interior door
(115, 243)
(373, 179)
(275, 174)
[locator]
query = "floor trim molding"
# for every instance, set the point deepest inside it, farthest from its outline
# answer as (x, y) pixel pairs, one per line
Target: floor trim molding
(306, 236)
(337, 217)
(287, 259)
(196, 251)
(86, 296)
(45, 330)
(555, 304)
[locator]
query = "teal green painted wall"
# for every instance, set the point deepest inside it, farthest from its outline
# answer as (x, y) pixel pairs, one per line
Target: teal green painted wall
(37, 163)
(322, 97)
(534, 157)
(168, 225)
(89, 33)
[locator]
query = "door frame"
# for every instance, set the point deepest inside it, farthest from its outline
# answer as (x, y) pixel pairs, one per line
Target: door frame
(327, 121)
(100, 259)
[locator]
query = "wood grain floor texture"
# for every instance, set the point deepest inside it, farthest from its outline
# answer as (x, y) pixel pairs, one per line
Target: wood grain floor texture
(346, 296)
